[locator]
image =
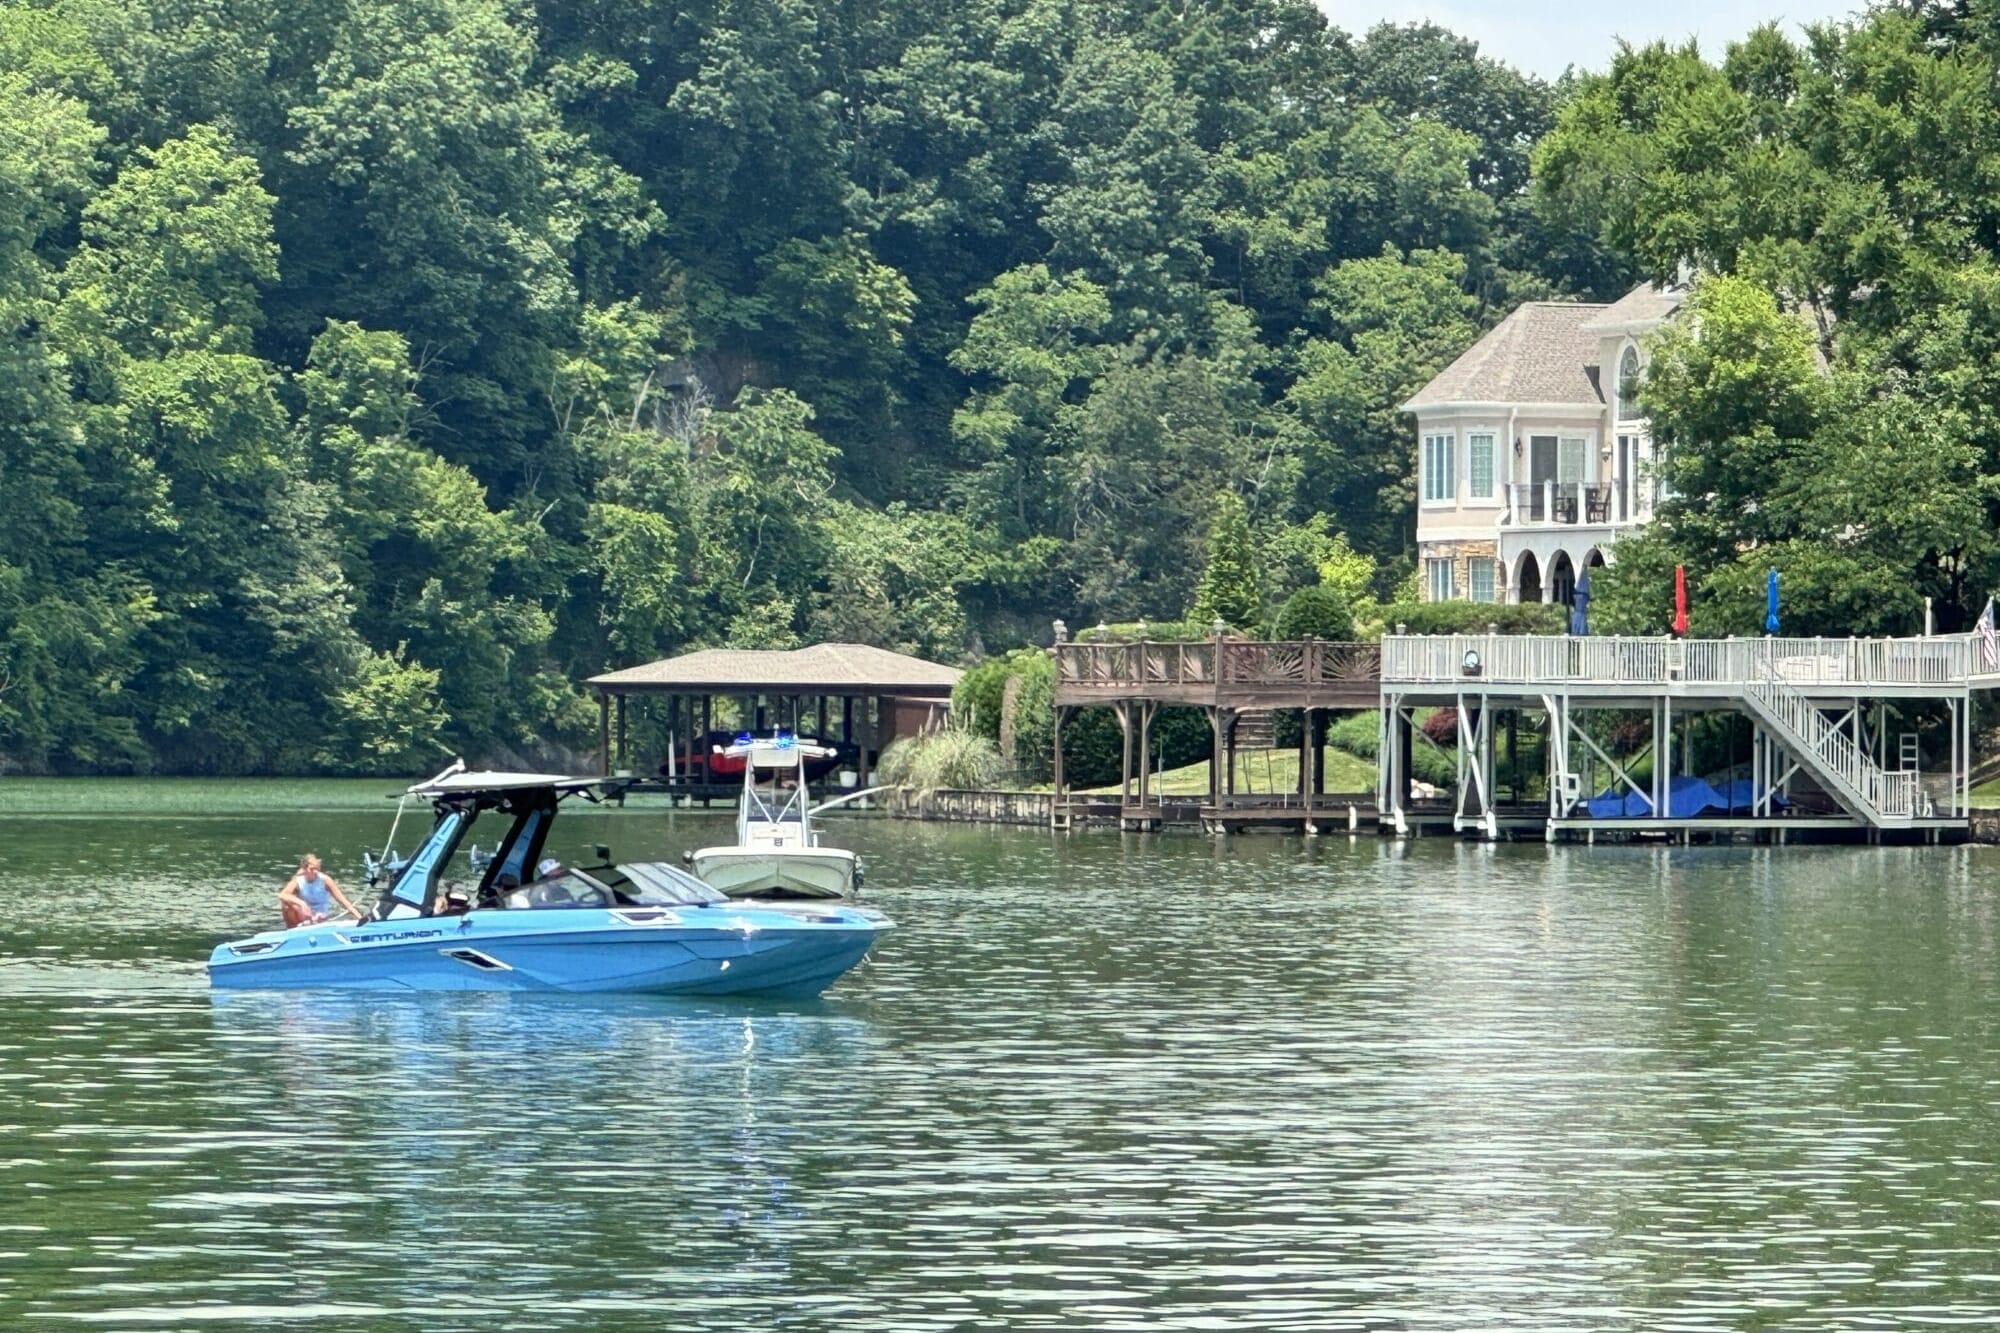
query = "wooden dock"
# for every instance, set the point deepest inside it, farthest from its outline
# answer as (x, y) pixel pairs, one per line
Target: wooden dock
(1838, 730)
(1233, 682)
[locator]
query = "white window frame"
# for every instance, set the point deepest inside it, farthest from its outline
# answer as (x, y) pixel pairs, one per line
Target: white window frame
(1434, 566)
(1627, 388)
(1474, 440)
(1440, 482)
(1474, 567)
(1572, 459)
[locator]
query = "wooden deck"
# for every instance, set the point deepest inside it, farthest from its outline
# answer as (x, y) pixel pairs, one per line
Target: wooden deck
(1221, 673)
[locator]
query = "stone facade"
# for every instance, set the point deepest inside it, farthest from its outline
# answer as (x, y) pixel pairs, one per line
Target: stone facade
(1462, 554)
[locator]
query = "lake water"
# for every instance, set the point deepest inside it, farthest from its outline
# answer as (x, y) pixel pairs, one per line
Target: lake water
(1093, 1082)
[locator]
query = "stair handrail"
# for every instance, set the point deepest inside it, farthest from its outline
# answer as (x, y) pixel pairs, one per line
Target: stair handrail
(1886, 795)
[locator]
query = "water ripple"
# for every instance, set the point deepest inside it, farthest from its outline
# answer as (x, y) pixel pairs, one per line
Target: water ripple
(1094, 1083)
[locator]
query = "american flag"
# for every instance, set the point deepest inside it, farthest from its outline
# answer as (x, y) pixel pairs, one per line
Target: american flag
(1989, 644)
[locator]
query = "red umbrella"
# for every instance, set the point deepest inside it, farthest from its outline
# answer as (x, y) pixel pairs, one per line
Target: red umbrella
(1680, 600)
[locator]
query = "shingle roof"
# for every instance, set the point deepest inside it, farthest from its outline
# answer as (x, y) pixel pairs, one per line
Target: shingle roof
(824, 668)
(1542, 353)
(1643, 305)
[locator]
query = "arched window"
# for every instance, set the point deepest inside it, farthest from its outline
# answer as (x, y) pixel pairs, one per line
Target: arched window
(1628, 386)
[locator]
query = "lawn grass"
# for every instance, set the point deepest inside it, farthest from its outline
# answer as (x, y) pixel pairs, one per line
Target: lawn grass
(196, 796)
(1987, 794)
(1264, 771)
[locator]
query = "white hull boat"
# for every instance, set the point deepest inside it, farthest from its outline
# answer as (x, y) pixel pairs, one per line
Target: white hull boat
(777, 854)
(787, 872)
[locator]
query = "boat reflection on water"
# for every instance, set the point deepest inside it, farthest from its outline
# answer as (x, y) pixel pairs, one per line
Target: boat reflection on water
(536, 1149)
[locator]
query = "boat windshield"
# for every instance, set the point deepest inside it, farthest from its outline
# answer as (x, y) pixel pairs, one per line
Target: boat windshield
(656, 884)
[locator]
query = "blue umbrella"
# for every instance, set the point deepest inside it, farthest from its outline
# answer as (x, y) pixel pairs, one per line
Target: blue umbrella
(1579, 606)
(1771, 602)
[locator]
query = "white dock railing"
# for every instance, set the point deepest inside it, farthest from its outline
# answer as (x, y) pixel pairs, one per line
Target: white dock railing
(1549, 660)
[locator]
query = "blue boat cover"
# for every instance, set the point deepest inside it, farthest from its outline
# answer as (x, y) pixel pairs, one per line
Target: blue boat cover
(1687, 798)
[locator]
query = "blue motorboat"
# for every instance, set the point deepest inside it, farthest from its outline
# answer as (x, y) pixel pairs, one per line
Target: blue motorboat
(647, 927)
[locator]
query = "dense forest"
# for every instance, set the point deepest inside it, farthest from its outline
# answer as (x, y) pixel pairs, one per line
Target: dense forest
(376, 372)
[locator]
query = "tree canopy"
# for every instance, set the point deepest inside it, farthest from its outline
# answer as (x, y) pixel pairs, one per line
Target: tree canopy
(1826, 399)
(378, 372)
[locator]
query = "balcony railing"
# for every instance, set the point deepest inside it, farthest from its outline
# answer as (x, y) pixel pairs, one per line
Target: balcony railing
(1565, 504)
(1942, 660)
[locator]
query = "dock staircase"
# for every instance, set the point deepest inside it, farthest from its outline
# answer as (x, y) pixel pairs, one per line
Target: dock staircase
(1255, 730)
(1842, 768)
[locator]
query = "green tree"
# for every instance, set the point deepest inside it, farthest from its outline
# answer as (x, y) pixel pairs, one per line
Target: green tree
(1230, 588)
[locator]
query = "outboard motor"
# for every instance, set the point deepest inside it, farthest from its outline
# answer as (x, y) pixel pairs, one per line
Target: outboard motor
(385, 867)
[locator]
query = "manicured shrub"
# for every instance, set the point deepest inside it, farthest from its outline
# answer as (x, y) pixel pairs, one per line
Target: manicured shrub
(1475, 617)
(1317, 612)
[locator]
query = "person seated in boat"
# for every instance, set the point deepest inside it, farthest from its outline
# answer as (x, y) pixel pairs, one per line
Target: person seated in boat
(454, 901)
(507, 889)
(493, 896)
(548, 888)
(309, 896)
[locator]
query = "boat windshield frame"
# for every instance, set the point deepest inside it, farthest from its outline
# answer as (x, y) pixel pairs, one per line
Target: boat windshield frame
(532, 803)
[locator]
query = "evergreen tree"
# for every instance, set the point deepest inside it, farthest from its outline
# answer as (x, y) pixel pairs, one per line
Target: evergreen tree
(1229, 588)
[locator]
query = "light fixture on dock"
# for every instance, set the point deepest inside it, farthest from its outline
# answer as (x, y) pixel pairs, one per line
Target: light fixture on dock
(1471, 663)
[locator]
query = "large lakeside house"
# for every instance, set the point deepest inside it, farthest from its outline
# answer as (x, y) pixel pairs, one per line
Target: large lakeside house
(1532, 454)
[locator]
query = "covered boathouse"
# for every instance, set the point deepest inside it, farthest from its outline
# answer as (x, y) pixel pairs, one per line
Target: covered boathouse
(1833, 745)
(852, 695)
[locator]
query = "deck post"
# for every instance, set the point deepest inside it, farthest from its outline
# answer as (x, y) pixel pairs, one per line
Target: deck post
(868, 738)
(604, 732)
(1467, 766)
(624, 754)
(1305, 768)
(1954, 758)
(1406, 741)
(1059, 807)
(1123, 711)
(701, 748)
(1146, 710)
(1487, 754)
(1965, 756)
(1663, 759)
(1215, 757)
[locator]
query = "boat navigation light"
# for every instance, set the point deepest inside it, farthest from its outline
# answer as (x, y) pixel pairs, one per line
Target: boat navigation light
(743, 738)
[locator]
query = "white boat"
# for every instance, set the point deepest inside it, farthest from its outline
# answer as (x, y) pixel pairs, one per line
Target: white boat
(777, 853)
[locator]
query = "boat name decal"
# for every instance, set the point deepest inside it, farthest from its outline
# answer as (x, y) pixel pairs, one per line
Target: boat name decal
(389, 935)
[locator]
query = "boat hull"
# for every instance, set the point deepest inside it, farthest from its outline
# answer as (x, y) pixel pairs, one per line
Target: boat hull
(680, 951)
(806, 872)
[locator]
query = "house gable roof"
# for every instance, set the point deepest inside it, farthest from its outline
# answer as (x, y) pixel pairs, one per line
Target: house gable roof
(1641, 308)
(1544, 352)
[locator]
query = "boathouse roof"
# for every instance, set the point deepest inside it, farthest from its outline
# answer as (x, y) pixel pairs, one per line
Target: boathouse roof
(823, 668)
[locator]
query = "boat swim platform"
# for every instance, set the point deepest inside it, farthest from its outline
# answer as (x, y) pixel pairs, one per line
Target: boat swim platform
(1818, 711)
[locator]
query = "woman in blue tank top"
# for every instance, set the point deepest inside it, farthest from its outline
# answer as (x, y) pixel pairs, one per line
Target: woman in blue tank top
(310, 895)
